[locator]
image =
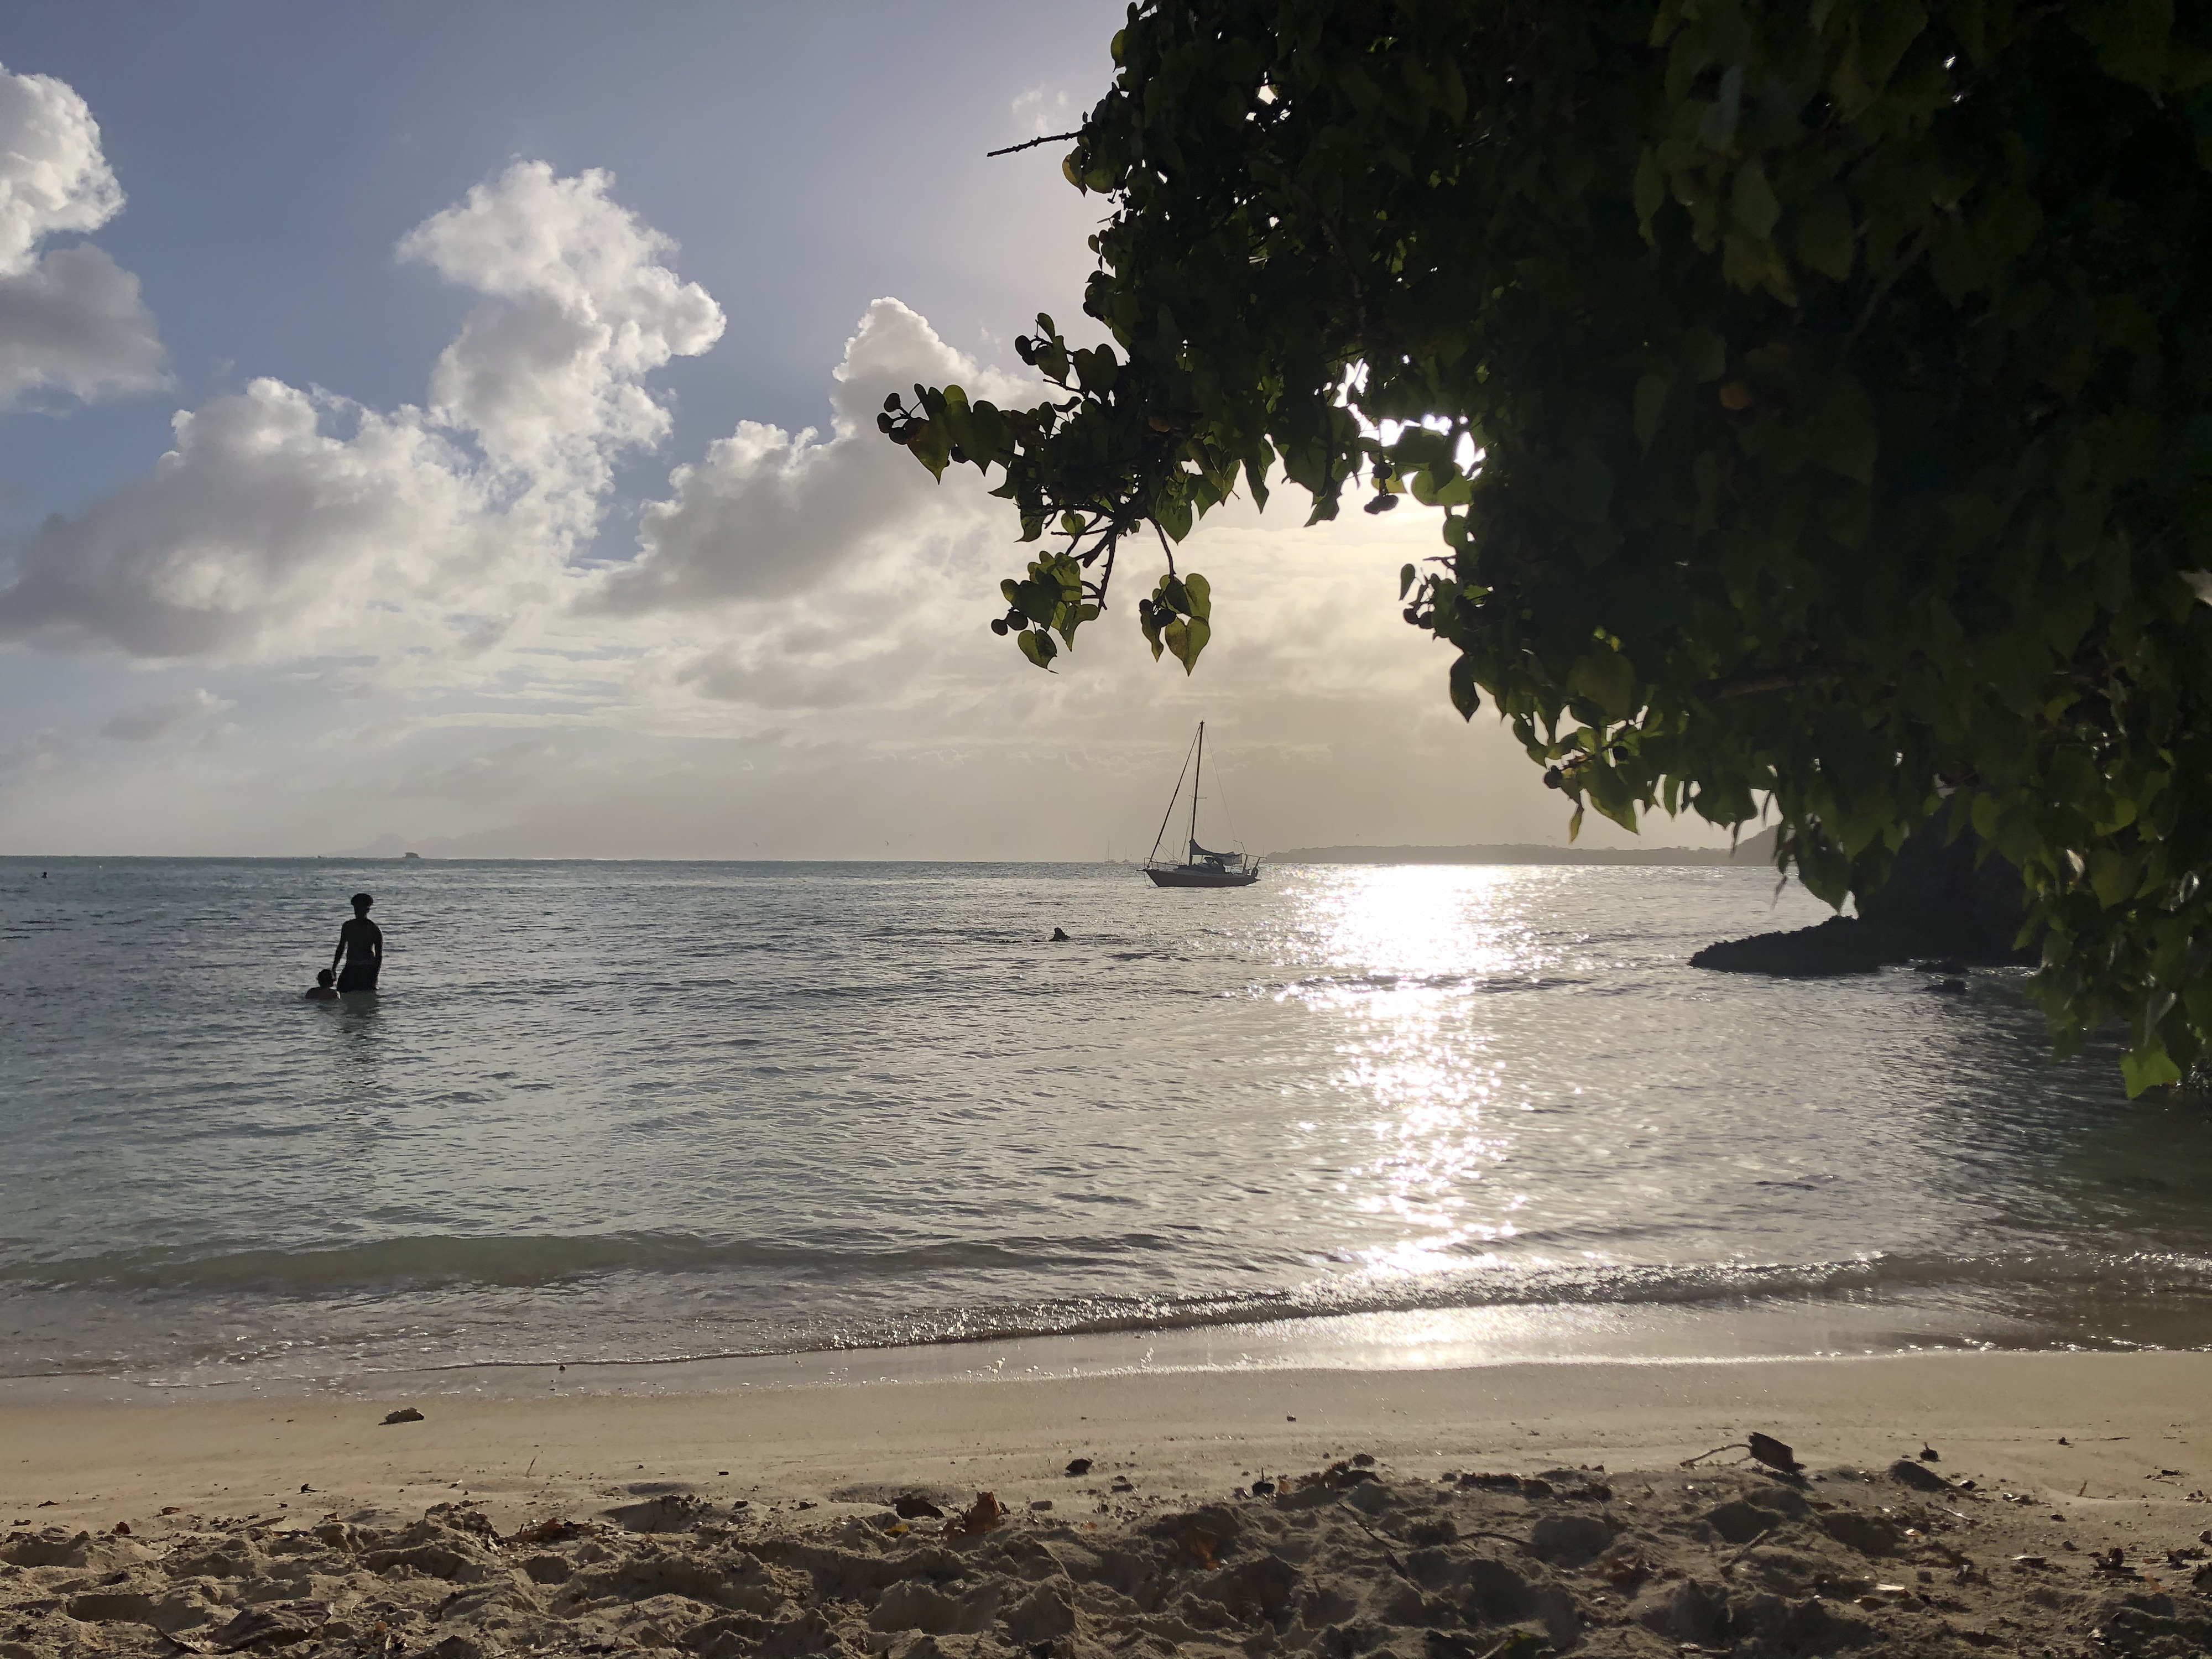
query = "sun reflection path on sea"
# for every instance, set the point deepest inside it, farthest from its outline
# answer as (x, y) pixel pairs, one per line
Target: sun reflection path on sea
(1407, 955)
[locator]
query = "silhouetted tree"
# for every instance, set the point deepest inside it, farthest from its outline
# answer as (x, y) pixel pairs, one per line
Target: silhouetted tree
(1816, 395)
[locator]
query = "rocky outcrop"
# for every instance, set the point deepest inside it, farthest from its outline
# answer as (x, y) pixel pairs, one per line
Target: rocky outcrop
(1943, 899)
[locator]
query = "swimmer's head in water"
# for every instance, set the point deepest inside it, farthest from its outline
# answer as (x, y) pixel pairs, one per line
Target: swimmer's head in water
(361, 902)
(325, 978)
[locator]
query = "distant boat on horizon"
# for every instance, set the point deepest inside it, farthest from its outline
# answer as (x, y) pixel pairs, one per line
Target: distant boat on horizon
(1201, 867)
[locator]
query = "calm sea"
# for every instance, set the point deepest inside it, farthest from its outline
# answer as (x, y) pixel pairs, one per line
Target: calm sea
(611, 1111)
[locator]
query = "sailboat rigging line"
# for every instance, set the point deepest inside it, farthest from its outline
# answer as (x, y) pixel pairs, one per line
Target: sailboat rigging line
(1172, 799)
(1228, 817)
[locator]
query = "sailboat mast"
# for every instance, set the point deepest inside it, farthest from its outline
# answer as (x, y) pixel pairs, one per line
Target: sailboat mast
(1168, 816)
(1197, 772)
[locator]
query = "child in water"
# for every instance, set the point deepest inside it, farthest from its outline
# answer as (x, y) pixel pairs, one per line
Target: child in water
(324, 991)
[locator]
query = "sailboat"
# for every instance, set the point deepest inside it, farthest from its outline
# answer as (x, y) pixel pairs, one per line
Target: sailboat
(1202, 867)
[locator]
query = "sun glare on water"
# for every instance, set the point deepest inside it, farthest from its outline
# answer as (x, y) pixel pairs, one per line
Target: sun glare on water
(1407, 958)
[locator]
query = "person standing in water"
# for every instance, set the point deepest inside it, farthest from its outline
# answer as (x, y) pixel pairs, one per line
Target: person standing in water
(361, 947)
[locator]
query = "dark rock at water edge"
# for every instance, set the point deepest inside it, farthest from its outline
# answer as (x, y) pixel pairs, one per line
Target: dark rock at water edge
(1943, 898)
(1841, 945)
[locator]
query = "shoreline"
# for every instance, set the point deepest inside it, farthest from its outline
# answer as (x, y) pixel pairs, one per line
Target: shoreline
(789, 1432)
(1424, 1338)
(1430, 1338)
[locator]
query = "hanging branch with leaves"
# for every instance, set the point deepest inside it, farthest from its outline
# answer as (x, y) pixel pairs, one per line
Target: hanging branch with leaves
(1817, 398)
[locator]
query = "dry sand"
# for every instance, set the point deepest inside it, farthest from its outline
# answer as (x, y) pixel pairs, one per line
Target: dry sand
(756, 1519)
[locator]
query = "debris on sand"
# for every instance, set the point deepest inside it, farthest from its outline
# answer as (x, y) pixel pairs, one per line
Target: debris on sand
(404, 1414)
(1906, 1471)
(987, 1514)
(1773, 1453)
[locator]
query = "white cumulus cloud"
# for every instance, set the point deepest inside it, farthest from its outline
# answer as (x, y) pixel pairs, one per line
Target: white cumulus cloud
(71, 320)
(287, 521)
(768, 512)
(547, 379)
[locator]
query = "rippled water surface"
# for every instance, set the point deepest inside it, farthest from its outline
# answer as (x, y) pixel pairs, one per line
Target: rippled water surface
(638, 1111)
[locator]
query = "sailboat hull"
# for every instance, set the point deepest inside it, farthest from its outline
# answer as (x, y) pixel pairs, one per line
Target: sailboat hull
(1185, 875)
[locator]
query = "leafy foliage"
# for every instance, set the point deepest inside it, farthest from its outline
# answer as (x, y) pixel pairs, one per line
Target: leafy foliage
(1816, 396)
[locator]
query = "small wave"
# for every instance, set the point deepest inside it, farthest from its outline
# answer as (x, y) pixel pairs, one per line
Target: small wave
(739, 1269)
(520, 1262)
(1986, 1281)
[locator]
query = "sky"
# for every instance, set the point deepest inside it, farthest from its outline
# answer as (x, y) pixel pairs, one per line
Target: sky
(451, 428)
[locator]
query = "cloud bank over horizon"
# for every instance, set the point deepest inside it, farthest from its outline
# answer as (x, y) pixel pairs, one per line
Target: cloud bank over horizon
(504, 619)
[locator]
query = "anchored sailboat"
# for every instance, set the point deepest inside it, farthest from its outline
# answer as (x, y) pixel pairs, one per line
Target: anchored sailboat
(1202, 867)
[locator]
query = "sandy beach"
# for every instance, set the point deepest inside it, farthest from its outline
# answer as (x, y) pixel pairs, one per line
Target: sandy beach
(2056, 1458)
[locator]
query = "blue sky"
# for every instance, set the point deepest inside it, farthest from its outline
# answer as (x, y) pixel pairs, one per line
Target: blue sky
(807, 158)
(447, 475)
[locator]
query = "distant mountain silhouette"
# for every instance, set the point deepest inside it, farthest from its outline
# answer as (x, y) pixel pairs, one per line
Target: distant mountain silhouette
(515, 843)
(1757, 849)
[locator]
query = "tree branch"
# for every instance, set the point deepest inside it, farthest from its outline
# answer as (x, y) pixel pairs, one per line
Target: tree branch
(1750, 685)
(1911, 258)
(1720, 691)
(1049, 138)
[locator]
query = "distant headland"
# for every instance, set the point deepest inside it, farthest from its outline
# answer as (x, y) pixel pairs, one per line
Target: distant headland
(1753, 849)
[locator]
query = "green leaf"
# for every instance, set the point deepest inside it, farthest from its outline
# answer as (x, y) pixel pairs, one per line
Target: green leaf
(1464, 695)
(1452, 90)
(1844, 436)
(1705, 354)
(1606, 678)
(1650, 189)
(2113, 876)
(1406, 575)
(2131, 38)
(1575, 825)
(1717, 130)
(926, 442)
(1036, 645)
(1752, 203)
(2147, 1068)
(1198, 594)
(1824, 238)
(1588, 488)
(1650, 408)
(1185, 638)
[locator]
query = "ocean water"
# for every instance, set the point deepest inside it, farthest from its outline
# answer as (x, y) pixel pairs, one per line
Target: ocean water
(626, 1112)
